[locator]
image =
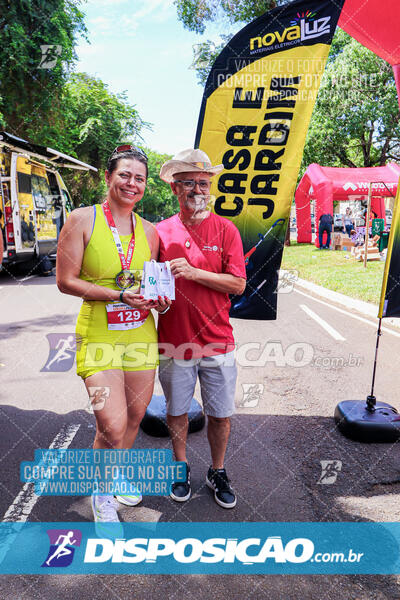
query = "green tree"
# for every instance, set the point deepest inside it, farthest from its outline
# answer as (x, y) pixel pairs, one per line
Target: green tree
(355, 122)
(158, 201)
(37, 50)
(43, 101)
(195, 14)
(94, 121)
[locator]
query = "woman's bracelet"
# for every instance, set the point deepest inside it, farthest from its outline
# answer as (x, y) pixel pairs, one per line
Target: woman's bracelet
(164, 311)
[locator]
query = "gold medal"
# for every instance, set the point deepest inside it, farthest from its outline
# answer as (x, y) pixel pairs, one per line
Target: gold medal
(125, 279)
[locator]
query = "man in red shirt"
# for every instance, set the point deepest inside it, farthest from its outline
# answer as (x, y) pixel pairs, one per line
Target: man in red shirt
(206, 256)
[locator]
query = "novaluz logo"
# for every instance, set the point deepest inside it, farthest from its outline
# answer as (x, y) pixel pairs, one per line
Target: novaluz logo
(303, 27)
(62, 547)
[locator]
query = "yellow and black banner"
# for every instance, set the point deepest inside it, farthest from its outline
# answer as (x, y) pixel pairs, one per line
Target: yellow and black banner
(254, 117)
(389, 305)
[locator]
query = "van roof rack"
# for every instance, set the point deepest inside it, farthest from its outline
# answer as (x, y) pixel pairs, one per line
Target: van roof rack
(48, 154)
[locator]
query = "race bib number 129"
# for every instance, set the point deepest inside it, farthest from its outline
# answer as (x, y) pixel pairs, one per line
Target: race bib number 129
(121, 316)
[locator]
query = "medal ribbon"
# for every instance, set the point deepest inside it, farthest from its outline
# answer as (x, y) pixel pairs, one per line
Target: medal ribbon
(125, 262)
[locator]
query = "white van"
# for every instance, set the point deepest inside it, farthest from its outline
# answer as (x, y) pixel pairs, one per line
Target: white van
(34, 201)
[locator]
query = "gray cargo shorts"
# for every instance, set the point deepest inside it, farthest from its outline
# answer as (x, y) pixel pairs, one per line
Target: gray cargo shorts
(217, 376)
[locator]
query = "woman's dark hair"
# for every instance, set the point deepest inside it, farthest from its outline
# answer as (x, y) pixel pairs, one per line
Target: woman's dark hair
(130, 154)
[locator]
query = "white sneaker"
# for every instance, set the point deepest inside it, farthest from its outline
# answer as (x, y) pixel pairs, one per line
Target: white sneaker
(130, 499)
(106, 517)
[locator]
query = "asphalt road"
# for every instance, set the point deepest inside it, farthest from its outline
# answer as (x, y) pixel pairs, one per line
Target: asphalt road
(297, 368)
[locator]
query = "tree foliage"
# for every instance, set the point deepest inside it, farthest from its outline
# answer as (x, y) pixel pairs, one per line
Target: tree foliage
(205, 54)
(158, 201)
(42, 100)
(97, 121)
(29, 88)
(355, 122)
(195, 14)
(93, 121)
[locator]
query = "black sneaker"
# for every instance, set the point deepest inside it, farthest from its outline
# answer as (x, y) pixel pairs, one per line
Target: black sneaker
(217, 480)
(180, 491)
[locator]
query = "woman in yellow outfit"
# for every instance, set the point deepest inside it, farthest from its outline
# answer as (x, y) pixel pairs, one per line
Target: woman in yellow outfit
(101, 250)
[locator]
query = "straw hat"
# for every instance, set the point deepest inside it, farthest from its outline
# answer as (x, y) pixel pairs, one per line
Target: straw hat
(188, 161)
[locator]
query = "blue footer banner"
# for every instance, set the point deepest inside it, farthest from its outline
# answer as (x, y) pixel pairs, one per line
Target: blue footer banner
(207, 548)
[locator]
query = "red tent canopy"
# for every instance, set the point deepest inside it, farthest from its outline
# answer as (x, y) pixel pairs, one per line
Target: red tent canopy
(326, 184)
(374, 24)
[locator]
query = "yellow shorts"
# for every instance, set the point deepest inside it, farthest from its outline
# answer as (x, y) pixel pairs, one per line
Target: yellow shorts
(101, 349)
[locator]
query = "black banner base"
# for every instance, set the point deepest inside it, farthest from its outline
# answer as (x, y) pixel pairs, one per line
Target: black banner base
(154, 422)
(355, 421)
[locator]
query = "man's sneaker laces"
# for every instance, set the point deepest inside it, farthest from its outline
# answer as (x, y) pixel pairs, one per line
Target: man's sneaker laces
(181, 490)
(218, 481)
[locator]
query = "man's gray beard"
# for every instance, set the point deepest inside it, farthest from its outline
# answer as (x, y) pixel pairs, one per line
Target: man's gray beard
(198, 203)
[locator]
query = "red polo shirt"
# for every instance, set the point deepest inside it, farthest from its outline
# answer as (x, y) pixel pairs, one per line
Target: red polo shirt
(197, 323)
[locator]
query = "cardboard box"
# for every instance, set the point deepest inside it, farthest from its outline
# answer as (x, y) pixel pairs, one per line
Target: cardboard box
(370, 258)
(348, 245)
(372, 253)
(342, 242)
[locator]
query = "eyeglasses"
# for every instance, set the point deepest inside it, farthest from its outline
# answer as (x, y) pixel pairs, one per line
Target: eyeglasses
(190, 184)
(129, 148)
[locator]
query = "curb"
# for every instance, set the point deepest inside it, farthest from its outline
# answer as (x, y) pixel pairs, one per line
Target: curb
(351, 304)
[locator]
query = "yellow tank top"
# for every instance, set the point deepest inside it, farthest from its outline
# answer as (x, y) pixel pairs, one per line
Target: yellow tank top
(101, 262)
(100, 265)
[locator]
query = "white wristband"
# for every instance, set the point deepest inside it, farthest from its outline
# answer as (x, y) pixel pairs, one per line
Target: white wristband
(164, 311)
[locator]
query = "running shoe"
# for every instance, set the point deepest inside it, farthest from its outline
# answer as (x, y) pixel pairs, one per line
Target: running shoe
(217, 480)
(131, 499)
(180, 490)
(106, 517)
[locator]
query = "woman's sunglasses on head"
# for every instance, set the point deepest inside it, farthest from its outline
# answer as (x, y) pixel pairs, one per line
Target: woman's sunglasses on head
(129, 148)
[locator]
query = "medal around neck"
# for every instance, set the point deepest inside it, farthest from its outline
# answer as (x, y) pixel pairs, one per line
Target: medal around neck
(125, 279)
